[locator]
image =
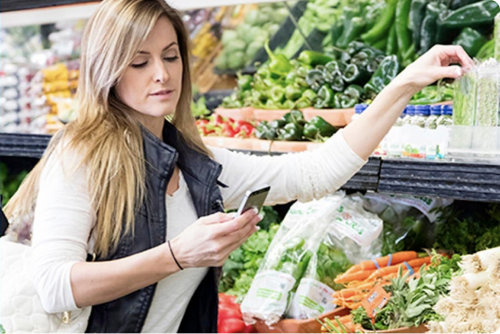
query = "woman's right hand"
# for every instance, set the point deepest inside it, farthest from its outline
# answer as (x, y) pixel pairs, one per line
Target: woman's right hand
(209, 241)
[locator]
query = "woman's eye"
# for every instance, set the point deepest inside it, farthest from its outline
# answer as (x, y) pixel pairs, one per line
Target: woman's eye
(171, 59)
(139, 65)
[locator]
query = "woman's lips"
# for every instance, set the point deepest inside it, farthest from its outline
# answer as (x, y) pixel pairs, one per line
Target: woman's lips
(162, 94)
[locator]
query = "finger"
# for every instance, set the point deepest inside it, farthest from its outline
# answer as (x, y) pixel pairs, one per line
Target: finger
(238, 242)
(457, 53)
(453, 72)
(234, 224)
(218, 218)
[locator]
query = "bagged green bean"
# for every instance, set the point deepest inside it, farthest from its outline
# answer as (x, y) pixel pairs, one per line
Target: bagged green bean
(287, 259)
(352, 236)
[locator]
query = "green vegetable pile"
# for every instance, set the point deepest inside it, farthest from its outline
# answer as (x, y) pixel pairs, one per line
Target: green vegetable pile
(315, 79)
(293, 127)
(243, 263)
(412, 302)
(358, 74)
(242, 44)
(9, 183)
(467, 228)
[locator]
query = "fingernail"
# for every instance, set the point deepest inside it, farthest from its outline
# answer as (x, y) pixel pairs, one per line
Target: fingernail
(257, 228)
(261, 216)
(256, 211)
(459, 71)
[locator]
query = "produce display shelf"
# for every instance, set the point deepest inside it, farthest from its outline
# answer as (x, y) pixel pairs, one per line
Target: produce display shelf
(471, 181)
(23, 145)
(459, 180)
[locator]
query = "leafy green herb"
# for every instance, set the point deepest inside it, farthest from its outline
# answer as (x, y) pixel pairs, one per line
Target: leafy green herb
(412, 301)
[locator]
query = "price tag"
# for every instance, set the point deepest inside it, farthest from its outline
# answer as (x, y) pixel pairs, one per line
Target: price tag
(376, 299)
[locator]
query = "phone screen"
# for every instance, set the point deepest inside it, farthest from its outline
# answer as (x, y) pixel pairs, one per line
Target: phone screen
(254, 199)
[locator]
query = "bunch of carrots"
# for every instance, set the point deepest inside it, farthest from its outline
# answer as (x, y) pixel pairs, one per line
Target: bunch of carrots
(361, 278)
(343, 324)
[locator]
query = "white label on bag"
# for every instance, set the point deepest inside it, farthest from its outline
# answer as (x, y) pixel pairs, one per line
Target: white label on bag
(312, 299)
(267, 298)
(359, 229)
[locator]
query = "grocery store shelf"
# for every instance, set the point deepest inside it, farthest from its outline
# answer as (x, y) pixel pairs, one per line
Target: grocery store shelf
(23, 145)
(471, 181)
(458, 180)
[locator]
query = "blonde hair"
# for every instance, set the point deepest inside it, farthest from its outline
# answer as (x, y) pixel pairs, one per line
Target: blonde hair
(105, 131)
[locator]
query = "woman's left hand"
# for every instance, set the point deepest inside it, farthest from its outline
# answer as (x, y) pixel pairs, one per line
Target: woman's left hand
(434, 65)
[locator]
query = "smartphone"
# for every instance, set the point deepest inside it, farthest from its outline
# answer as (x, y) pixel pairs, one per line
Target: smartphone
(253, 199)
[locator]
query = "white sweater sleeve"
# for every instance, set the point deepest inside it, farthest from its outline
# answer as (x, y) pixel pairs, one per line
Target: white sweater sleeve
(63, 221)
(303, 176)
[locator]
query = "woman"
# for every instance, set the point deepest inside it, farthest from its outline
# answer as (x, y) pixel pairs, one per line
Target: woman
(120, 181)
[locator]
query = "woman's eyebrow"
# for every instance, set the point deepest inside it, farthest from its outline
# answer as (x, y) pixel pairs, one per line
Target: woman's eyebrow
(164, 49)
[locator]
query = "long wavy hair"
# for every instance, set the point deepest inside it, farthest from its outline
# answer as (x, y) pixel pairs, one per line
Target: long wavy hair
(105, 133)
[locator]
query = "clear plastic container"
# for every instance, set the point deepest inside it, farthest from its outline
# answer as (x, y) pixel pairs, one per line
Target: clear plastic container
(410, 113)
(446, 118)
(421, 115)
(431, 122)
(358, 110)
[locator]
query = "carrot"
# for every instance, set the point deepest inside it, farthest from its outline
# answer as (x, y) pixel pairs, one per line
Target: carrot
(357, 276)
(353, 306)
(383, 261)
(394, 269)
(345, 293)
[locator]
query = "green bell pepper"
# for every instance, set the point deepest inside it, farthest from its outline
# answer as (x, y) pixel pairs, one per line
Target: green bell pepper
(291, 78)
(293, 92)
(302, 103)
(347, 101)
(294, 116)
(355, 74)
(352, 29)
(313, 58)
(471, 40)
(417, 15)
(244, 82)
(354, 91)
(315, 79)
(325, 98)
(331, 68)
(265, 131)
(474, 15)
(337, 84)
(336, 101)
(291, 132)
(310, 95)
(317, 128)
(355, 47)
(363, 57)
(385, 73)
(383, 25)
(403, 34)
(303, 70)
(278, 94)
(279, 65)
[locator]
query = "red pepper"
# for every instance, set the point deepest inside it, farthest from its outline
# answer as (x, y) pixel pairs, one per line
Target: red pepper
(228, 131)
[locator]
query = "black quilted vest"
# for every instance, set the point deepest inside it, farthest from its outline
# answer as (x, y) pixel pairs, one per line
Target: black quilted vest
(127, 314)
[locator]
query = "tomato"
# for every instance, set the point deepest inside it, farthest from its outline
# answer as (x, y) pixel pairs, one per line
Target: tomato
(232, 325)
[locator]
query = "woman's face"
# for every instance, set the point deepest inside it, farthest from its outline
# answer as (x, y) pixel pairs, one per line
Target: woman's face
(152, 83)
